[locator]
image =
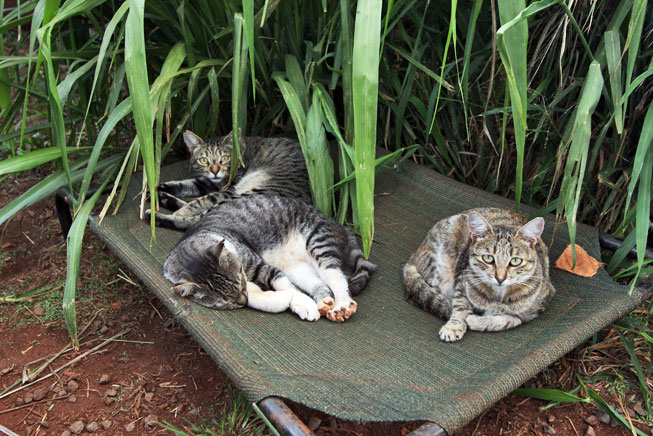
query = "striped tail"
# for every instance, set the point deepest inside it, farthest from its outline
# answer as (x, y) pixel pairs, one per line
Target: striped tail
(362, 268)
(423, 295)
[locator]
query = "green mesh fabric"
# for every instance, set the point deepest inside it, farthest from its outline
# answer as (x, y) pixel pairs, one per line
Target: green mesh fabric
(385, 363)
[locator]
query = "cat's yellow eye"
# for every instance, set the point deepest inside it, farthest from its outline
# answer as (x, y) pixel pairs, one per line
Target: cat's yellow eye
(203, 160)
(224, 159)
(487, 258)
(516, 261)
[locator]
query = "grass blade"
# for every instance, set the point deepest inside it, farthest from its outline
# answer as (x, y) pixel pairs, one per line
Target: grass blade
(33, 159)
(139, 90)
(629, 346)
(613, 57)
(365, 84)
(321, 166)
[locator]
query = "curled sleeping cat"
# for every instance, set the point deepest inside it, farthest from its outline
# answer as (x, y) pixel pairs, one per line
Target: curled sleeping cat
(272, 166)
(270, 253)
(483, 269)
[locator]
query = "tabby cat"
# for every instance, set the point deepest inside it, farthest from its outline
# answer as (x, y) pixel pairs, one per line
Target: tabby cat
(244, 248)
(483, 269)
(273, 166)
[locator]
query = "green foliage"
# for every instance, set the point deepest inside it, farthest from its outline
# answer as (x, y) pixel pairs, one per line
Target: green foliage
(538, 102)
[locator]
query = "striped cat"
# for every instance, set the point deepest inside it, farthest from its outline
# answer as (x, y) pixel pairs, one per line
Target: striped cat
(270, 253)
(273, 166)
(483, 269)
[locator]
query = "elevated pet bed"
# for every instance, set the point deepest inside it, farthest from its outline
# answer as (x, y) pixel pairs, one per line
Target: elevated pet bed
(385, 363)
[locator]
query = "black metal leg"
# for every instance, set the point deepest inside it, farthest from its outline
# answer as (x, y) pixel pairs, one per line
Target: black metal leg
(428, 429)
(63, 199)
(283, 419)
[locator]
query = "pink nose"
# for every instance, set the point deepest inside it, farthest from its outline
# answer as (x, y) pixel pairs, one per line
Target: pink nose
(215, 169)
(500, 279)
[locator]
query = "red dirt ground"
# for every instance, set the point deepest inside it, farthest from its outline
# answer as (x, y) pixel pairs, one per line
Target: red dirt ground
(157, 372)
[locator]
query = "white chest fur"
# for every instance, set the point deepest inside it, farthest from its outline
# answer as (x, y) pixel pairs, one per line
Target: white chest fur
(251, 181)
(290, 253)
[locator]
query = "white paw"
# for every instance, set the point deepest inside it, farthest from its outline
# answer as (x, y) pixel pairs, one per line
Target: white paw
(452, 332)
(342, 311)
(304, 307)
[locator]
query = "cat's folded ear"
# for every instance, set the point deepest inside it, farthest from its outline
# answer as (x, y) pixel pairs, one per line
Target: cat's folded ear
(532, 230)
(216, 250)
(192, 140)
(479, 228)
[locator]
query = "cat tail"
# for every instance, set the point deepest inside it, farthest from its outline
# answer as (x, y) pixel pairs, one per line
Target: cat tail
(361, 267)
(424, 295)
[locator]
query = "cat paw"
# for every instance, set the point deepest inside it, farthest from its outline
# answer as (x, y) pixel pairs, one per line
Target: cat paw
(477, 323)
(325, 305)
(453, 332)
(304, 307)
(342, 312)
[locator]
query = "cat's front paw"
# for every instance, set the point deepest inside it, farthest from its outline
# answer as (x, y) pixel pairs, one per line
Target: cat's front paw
(304, 307)
(325, 305)
(342, 311)
(453, 331)
(494, 323)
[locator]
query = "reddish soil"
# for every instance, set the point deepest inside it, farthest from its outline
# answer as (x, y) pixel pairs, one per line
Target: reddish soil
(157, 372)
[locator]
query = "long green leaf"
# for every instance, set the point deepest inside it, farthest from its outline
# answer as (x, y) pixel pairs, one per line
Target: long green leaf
(33, 159)
(365, 83)
(139, 89)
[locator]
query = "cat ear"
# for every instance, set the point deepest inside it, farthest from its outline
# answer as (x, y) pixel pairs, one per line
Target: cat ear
(192, 140)
(478, 226)
(216, 250)
(532, 230)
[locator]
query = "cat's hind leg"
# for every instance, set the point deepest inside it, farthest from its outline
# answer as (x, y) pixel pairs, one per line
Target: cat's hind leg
(343, 305)
(307, 278)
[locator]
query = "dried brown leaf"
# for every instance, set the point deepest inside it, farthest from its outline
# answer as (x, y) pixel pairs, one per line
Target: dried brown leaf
(586, 265)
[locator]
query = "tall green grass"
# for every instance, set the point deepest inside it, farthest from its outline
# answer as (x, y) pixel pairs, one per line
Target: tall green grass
(534, 101)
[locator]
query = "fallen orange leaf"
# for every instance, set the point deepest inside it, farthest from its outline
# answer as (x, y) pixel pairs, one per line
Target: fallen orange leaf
(586, 265)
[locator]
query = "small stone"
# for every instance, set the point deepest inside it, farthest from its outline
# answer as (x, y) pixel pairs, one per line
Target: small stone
(104, 329)
(65, 433)
(108, 401)
(193, 412)
(603, 417)
(111, 392)
(631, 413)
(92, 427)
(106, 424)
(61, 392)
(548, 429)
(28, 398)
(77, 427)
(130, 427)
(39, 311)
(592, 420)
(149, 422)
(39, 394)
(20, 401)
(104, 379)
(314, 423)
(44, 424)
(72, 386)
(639, 409)
(72, 399)
(551, 418)
(149, 397)
(590, 431)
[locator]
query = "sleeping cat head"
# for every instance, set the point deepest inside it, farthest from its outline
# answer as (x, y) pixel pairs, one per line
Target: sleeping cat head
(212, 157)
(219, 282)
(503, 256)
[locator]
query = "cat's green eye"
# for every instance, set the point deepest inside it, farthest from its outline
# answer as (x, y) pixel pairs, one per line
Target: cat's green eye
(487, 258)
(516, 261)
(224, 159)
(203, 160)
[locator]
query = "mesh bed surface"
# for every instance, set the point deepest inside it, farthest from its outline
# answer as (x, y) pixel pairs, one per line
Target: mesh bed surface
(386, 362)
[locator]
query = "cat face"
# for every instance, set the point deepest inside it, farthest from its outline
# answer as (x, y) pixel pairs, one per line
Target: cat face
(211, 158)
(220, 283)
(503, 256)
